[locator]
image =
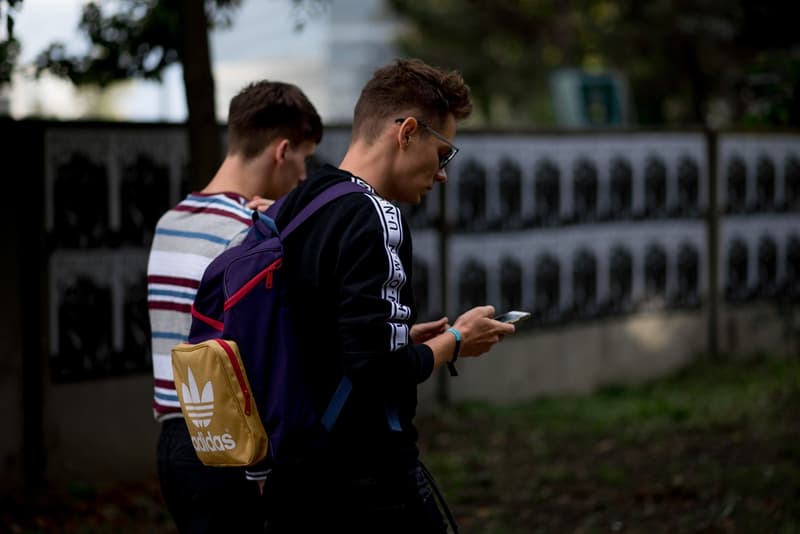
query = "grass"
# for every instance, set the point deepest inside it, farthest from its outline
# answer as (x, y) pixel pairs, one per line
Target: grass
(715, 448)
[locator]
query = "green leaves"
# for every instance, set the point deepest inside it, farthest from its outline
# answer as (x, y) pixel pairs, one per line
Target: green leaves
(9, 51)
(128, 39)
(676, 55)
(9, 46)
(138, 39)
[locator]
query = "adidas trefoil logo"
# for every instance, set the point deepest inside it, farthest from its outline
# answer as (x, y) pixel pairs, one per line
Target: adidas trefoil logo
(199, 407)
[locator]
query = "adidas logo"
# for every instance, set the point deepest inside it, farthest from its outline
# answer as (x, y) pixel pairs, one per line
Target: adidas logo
(212, 443)
(199, 407)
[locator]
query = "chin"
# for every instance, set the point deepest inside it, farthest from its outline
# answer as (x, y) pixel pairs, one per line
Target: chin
(409, 198)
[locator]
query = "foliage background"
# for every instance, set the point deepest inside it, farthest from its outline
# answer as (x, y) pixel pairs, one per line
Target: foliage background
(713, 62)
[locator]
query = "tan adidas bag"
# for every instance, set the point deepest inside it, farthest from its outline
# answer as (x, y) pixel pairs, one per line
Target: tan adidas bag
(217, 403)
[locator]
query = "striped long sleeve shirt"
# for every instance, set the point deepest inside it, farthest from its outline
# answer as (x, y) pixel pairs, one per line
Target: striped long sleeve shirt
(187, 238)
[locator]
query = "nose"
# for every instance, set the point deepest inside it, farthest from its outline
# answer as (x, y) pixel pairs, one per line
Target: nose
(441, 176)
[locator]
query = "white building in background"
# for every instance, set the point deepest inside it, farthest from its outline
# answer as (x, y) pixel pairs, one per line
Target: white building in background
(361, 39)
(340, 44)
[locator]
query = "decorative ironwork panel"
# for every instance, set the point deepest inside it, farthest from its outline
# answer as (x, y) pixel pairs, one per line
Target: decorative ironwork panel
(584, 191)
(524, 207)
(737, 186)
(105, 187)
(621, 189)
(584, 283)
(655, 188)
(472, 285)
(510, 185)
(737, 263)
(145, 197)
(84, 342)
(81, 207)
(548, 288)
(765, 185)
(510, 284)
(792, 183)
(687, 293)
(767, 266)
(421, 277)
(135, 353)
(655, 271)
(688, 188)
(548, 193)
(472, 197)
(620, 279)
(792, 282)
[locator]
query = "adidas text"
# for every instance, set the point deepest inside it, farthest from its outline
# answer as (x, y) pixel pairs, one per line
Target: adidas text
(209, 443)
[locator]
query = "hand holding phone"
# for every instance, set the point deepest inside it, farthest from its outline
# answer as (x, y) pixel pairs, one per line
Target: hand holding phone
(512, 317)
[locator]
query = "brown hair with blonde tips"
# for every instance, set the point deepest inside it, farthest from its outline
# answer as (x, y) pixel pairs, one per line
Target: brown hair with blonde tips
(264, 111)
(410, 86)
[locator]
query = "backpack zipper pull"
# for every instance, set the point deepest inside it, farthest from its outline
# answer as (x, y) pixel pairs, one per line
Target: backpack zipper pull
(272, 268)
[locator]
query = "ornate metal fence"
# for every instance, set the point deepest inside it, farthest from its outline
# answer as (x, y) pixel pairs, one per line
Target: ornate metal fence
(571, 227)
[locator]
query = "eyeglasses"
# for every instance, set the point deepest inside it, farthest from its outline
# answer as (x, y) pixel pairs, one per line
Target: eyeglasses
(444, 159)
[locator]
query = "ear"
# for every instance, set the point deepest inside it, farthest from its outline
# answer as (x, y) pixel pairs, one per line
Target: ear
(407, 128)
(280, 150)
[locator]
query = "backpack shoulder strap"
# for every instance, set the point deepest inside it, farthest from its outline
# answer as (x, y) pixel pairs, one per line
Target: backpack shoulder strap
(328, 195)
(263, 223)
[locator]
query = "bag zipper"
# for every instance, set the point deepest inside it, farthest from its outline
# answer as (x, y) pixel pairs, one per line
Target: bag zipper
(266, 274)
(239, 375)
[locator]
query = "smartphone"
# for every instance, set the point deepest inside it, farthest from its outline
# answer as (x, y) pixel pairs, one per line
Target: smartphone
(513, 316)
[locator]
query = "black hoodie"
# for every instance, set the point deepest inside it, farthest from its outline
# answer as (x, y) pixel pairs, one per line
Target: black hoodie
(349, 285)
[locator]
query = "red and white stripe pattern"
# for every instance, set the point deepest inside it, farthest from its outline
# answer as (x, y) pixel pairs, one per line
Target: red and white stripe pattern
(186, 239)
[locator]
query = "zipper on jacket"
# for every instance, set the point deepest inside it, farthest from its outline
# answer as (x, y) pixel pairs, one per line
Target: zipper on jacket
(238, 371)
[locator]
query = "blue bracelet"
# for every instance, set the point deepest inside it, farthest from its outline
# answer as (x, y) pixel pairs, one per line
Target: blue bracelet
(451, 365)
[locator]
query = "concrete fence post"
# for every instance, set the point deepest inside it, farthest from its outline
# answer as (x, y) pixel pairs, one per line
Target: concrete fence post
(712, 245)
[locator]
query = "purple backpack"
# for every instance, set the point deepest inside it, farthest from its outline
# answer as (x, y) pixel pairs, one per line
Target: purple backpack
(242, 298)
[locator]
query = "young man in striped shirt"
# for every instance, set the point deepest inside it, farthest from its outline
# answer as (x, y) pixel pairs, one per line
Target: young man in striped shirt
(272, 129)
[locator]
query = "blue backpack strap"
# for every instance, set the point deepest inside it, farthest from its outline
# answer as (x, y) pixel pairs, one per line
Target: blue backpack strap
(393, 419)
(337, 403)
(331, 193)
(267, 218)
(262, 222)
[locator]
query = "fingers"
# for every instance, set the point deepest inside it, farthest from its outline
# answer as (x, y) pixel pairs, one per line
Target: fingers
(505, 329)
(422, 332)
(259, 203)
(480, 331)
(440, 322)
(486, 311)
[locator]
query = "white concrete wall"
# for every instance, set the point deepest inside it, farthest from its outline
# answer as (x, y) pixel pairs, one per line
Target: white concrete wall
(581, 358)
(102, 431)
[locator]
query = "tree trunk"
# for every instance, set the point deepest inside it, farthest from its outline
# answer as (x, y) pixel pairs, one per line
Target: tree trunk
(204, 137)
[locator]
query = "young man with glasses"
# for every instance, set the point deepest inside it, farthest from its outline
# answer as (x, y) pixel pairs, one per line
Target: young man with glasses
(348, 273)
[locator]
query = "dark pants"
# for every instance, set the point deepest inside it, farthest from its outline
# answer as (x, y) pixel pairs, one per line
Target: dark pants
(316, 499)
(202, 498)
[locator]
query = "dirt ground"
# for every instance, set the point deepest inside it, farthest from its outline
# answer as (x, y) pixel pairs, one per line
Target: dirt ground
(715, 480)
